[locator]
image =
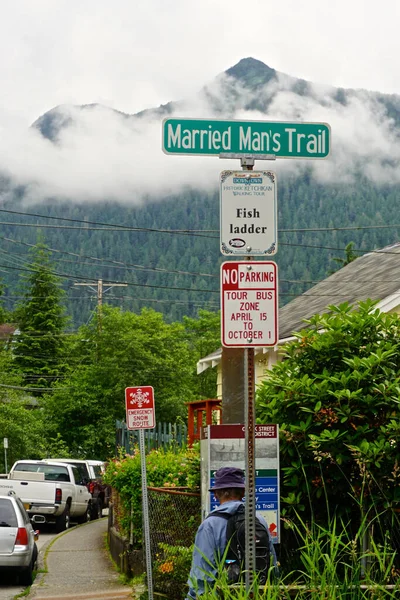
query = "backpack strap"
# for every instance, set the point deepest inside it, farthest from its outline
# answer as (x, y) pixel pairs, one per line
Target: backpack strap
(225, 515)
(222, 514)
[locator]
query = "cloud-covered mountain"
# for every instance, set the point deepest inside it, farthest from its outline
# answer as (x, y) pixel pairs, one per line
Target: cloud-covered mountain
(93, 152)
(95, 163)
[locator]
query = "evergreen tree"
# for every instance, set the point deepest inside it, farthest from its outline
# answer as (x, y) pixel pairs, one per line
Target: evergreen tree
(350, 255)
(38, 347)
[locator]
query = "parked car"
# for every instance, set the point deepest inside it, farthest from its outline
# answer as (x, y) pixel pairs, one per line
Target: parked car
(91, 471)
(18, 550)
(51, 492)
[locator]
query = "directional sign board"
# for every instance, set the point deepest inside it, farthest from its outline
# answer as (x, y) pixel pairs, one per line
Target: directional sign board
(225, 446)
(139, 402)
(212, 137)
(249, 303)
(248, 213)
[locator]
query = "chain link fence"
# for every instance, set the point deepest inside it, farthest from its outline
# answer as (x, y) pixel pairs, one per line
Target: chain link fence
(174, 515)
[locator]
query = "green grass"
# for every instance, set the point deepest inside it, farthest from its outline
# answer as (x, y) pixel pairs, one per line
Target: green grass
(333, 566)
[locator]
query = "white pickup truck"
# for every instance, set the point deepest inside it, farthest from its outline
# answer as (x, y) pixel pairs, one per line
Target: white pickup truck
(51, 492)
(91, 472)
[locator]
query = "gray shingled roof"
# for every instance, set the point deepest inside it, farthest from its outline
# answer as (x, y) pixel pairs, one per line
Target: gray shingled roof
(375, 275)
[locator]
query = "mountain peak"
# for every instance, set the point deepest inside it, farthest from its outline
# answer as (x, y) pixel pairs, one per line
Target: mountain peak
(252, 71)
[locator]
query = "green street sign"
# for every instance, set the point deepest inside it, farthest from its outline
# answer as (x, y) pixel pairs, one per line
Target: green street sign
(211, 137)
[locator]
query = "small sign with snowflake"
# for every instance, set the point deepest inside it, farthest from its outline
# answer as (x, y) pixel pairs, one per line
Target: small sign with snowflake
(139, 402)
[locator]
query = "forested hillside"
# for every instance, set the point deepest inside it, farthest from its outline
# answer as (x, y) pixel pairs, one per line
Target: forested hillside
(176, 273)
(165, 245)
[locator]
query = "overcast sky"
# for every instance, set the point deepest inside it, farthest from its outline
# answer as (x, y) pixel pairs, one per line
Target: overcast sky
(132, 55)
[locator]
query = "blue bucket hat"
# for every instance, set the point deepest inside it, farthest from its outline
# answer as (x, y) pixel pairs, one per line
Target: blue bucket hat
(228, 477)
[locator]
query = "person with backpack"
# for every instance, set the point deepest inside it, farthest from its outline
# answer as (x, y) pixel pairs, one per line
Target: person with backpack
(223, 526)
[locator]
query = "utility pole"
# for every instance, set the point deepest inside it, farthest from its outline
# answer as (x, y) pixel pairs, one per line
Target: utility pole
(100, 293)
(5, 444)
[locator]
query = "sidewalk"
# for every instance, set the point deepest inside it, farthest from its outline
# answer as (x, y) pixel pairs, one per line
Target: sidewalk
(79, 567)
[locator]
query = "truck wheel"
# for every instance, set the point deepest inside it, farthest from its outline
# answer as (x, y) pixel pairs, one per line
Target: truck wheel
(87, 515)
(63, 521)
(97, 509)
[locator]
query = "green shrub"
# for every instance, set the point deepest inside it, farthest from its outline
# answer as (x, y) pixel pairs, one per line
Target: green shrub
(165, 468)
(336, 399)
(171, 569)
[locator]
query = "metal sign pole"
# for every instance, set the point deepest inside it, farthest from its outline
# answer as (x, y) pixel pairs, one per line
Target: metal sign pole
(249, 426)
(145, 505)
(5, 442)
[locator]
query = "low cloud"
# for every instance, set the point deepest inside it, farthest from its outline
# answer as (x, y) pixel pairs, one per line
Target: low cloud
(103, 155)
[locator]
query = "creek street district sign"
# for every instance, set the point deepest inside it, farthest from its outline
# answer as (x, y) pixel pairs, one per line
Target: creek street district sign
(212, 137)
(248, 213)
(249, 304)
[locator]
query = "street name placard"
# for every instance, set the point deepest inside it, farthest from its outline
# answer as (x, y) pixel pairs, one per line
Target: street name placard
(249, 304)
(139, 404)
(248, 213)
(214, 137)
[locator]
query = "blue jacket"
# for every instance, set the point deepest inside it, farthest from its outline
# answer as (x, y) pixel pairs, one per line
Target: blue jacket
(210, 542)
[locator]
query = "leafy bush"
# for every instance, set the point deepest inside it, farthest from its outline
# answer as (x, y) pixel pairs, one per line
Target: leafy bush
(171, 569)
(165, 468)
(336, 399)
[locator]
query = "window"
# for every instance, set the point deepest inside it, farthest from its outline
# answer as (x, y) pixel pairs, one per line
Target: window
(97, 471)
(8, 518)
(51, 472)
(23, 512)
(82, 470)
(30, 468)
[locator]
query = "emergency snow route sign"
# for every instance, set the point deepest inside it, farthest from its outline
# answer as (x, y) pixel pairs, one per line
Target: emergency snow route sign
(248, 213)
(139, 402)
(249, 304)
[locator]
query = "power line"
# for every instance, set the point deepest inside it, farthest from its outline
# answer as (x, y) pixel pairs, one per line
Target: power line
(180, 231)
(113, 262)
(144, 285)
(121, 264)
(119, 228)
(339, 249)
(36, 389)
(102, 226)
(349, 228)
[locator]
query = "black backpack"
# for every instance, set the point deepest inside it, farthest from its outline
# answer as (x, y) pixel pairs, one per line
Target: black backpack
(235, 559)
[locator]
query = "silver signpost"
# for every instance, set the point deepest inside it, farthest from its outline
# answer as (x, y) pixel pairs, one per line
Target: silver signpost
(146, 525)
(140, 414)
(5, 443)
(250, 466)
(248, 203)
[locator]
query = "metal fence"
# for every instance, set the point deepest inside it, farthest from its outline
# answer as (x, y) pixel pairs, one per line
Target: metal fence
(174, 516)
(164, 435)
